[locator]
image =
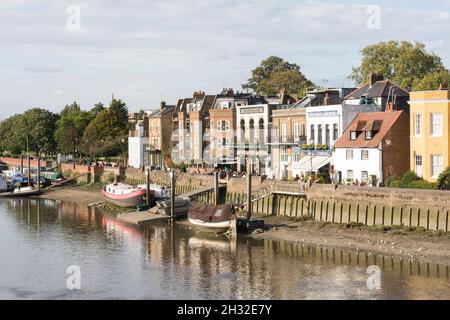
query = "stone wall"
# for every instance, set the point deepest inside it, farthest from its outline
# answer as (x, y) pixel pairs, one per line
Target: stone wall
(382, 196)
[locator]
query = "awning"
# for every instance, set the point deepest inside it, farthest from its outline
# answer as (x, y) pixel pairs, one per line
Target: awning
(306, 164)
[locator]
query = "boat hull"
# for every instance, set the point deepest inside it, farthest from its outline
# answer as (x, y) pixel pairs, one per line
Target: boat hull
(214, 227)
(126, 201)
(20, 194)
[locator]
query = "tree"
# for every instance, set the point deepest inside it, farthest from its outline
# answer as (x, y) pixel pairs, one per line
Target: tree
(70, 128)
(432, 81)
(96, 110)
(7, 140)
(402, 62)
(33, 131)
(105, 134)
(275, 74)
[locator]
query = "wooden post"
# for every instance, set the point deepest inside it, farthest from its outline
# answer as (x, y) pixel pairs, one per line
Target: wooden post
(29, 171)
(428, 219)
(172, 195)
(437, 220)
(334, 211)
(148, 187)
(392, 216)
(374, 215)
(342, 209)
(367, 214)
(401, 216)
(21, 164)
(410, 216)
(216, 188)
(349, 212)
(446, 221)
(321, 209)
(418, 217)
(249, 196)
(382, 215)
(38, 171)
(357, 213)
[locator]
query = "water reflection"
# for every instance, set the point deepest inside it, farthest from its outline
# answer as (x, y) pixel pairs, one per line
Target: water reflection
(40, 238)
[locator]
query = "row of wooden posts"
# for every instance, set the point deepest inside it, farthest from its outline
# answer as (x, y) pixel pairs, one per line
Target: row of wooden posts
(29, 170)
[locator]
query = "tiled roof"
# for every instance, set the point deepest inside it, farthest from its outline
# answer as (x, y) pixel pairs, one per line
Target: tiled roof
(378, 122)
(379, 89)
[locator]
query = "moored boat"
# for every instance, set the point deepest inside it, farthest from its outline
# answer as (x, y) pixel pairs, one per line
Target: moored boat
(123, 195)
(215, 219)
(21, 192)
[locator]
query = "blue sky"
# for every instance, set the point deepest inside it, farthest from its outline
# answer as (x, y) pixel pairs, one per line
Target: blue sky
(144, 51)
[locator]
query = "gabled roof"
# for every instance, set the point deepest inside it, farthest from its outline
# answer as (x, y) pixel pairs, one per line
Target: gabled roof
(377, 90)
(158, 113)
(380, 123)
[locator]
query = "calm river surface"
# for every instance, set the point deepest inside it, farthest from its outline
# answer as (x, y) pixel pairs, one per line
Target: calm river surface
(40, 239)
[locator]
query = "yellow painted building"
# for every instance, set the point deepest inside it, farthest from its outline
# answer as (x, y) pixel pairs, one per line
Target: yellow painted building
(430, 133)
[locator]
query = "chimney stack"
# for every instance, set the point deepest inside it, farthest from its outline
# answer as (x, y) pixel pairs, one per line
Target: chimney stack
(326, 100)
(390, 107)
(443, 86)
(162, 105)
(374, 78)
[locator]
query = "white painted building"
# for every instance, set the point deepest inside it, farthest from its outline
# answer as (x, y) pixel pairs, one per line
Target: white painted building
(362, 164)
(252, 124)
(138, 143)
(324, 124)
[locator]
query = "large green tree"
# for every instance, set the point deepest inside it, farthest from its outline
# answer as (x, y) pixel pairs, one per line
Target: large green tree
(274, 74)
(70, 128)
(106, 134)
(404, 63)
(432, 81)
(31, 131)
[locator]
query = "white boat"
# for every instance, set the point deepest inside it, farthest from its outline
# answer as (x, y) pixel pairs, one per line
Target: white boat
(156, 191)
(124, 195)
(21, 192)
(215, 227)
(216, 219)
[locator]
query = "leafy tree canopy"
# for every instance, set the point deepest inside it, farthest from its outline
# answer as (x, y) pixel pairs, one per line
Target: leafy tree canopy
(70, 128)
(404, 63)
(275, 74)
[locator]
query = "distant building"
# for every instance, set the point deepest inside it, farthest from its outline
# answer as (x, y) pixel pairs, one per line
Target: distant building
(133, 117)
(374, 147)
(223, 148)
(160, 135)
(378, 92)
(193, 128)
(138, 143)
(430, 133)
(288, 133)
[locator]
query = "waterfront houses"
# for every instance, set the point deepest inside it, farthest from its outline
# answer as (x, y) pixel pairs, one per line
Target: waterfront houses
(374, 147)
(193, 128)
(288, 133)
(160, 135)
(430, 133)
(223, 150)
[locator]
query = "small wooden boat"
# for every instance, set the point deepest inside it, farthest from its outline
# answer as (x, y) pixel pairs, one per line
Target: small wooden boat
(215, 219)
(123, 195)
(21, 192)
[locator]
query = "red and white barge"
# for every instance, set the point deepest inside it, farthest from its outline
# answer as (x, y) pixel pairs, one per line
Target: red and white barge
(124, 195)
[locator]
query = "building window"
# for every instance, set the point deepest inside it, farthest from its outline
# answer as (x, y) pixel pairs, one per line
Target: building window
(353, 135)
(369, 135)
(436, 124)
(417, 124)
(283, 132)
(225, 105)
(296, 155)
(261, 139)
(418, 161)
(327, 135)
(437, 165)
(313, 134)
(349, 174)
(364, 176)
(319, 134)
(252, 131)
(284, 154)
(223, 125)
(223, 142)
(364, 154)
(349, 154)
(296, 131)
(335, 132)
(242, 131)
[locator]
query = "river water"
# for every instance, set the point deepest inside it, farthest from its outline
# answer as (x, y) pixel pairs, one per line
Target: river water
(40, 239)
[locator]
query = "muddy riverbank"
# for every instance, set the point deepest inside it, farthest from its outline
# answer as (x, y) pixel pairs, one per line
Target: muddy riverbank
(416, 245)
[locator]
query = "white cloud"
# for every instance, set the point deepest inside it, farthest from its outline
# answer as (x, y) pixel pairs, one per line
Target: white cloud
(171, 47)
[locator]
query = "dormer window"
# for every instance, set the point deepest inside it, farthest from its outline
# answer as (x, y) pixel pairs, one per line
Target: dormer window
(369, 135)
(353, 135)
